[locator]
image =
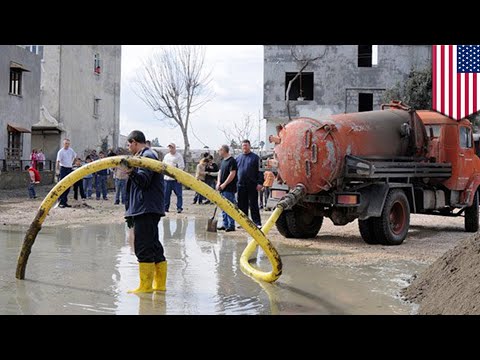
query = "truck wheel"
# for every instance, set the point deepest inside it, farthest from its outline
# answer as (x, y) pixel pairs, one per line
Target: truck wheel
(391, 227)
(302, 223)
(282, 226)
(471, 216)
(367, 231)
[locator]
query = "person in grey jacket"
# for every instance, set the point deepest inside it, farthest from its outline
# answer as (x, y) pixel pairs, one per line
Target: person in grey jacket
(144, 207)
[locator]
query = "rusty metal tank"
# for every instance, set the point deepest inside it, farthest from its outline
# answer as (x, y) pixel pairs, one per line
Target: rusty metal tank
(312, 152)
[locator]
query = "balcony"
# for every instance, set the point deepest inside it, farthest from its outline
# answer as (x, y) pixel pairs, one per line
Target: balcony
(13, 159)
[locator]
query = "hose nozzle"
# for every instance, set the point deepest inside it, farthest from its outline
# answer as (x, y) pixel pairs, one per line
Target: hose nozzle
(292, 198)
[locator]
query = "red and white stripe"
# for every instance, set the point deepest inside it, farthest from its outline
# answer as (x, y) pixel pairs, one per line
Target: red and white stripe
(454, 95)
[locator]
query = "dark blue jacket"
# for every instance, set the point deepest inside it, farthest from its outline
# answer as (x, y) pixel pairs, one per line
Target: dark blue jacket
(145, 192)
(103, 172)
(249, 170)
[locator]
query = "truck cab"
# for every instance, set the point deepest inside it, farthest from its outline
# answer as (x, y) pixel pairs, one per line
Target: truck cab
(452, 142)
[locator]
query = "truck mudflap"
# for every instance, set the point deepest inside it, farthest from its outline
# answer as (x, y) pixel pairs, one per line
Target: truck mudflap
(373, 198)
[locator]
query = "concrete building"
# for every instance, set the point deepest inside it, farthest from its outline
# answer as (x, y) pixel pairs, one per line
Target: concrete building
(19, 103)
(80, 97)
(348, 78)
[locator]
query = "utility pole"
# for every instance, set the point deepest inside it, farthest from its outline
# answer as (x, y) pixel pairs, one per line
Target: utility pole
(259, 124)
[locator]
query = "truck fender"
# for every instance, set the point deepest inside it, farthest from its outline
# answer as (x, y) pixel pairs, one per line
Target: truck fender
(467, 195)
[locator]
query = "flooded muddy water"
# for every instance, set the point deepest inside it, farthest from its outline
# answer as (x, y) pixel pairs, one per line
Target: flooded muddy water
(88, 269)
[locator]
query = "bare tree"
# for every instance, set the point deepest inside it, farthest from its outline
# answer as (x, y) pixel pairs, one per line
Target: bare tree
(173, 83)
(240, 131)
(304, 60)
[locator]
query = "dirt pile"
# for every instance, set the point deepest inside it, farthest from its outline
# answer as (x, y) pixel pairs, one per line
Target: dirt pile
(451, 285)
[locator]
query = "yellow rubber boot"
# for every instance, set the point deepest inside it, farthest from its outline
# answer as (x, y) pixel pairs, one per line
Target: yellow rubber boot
(146, 278)
(160, 278)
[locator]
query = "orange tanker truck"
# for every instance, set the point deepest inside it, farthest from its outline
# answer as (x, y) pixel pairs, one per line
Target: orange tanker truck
(377, 167)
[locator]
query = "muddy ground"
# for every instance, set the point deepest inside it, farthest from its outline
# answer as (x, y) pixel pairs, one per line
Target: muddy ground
(429, 237)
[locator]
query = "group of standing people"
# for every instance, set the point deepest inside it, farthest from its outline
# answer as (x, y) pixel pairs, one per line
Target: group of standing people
(240, 176)
(37, 159)
(67, 161)
(239, 180)
(207, 171)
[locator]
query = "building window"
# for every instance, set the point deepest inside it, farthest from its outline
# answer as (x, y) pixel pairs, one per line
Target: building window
(367, 55)
(15, 81)
(96, 107)
(374, 55)
(97, 64)
(465, 138)
(15, 142)
(365, 102)
(302, 87)
(36, 49)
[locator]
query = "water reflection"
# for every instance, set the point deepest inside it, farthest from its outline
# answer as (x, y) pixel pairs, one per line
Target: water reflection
(87, 270)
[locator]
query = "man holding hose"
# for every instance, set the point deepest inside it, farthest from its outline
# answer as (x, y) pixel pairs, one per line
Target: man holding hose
(145, 206)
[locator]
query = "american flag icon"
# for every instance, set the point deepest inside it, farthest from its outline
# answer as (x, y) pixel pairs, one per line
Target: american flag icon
(455, 90)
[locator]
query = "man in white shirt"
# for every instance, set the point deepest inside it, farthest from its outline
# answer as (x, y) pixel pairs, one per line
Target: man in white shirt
(176, 160)
(65, 158)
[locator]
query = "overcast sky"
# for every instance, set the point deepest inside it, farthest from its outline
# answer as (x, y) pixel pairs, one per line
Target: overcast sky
(237, 83)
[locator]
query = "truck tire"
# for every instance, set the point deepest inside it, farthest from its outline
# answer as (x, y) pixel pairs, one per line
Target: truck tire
(391, 227)
(282, 226)
(367, 231)
(471, 216)
(302, 224)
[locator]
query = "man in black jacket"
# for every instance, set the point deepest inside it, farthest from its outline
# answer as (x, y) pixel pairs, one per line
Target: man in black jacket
(250, 182)
(144, 207)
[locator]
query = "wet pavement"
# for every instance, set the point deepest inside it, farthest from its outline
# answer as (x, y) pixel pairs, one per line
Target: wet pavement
(88, 269)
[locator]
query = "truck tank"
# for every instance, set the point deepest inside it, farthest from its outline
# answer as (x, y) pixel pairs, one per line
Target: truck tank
(312, 152)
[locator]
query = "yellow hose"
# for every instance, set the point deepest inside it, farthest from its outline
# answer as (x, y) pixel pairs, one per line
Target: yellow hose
(184, 178)
(252, 246)
(255, 273)
(272, 220)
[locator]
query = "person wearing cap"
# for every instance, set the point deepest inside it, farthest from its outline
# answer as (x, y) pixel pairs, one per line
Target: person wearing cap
(143, 209)
(173, 158)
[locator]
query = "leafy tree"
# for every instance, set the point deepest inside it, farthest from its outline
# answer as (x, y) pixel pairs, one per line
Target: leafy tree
(416, 91)
(155, 142)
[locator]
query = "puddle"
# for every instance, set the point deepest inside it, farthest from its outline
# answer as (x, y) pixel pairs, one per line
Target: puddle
(87, 270)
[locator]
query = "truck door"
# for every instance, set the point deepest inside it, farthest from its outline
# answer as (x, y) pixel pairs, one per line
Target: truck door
(466, 153)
